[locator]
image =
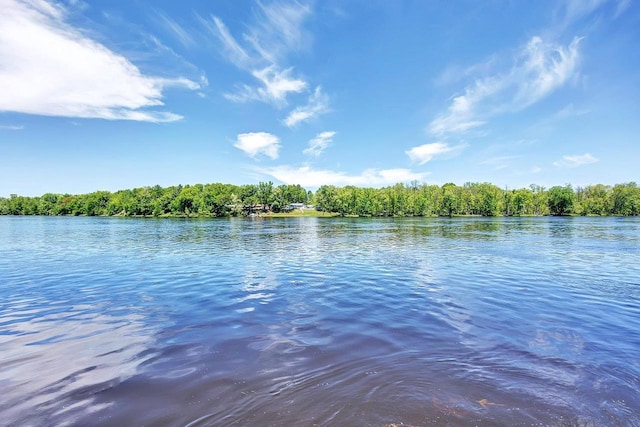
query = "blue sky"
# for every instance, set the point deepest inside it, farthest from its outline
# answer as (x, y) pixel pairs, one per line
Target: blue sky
(107, 95)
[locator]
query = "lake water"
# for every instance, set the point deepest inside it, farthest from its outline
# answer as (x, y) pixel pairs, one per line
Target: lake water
(312, 321)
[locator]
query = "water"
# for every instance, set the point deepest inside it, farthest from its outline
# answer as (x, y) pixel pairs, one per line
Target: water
(312, 321)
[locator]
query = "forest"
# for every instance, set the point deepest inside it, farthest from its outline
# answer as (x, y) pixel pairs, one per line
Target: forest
(415, 199)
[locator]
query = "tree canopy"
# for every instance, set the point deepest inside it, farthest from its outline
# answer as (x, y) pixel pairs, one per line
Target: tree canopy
(416, 199)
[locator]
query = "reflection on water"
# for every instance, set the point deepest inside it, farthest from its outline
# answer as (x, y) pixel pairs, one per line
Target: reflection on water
(74, 351)
(306, 321)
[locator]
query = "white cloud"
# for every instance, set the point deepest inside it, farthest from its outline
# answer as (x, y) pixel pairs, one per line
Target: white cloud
(318, 104)
(275, 32)
(426, 152)
(307, 177)
(175, 29)
(278, 29)
(545, 68)
(232, 49)
(50, 68)
(255, 143)
(540, 68)
(11, 127)
(576, 160)
(276, 86)
(320, 143)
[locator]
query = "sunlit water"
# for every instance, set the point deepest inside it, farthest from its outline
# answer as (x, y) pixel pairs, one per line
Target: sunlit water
(311, 321)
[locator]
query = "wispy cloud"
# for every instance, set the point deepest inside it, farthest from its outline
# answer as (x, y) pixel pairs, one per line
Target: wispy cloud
(621, 7)
(320, 143)
(256, 143)
(308, 177)
(570, 111)
(276, 31)
(11, 127)
(87, 81)
(426, 152)
(571, 11)
(149, 49)
(538, 69)
(275, 86)
(232, 50)
(454, 73)
(175, 29)
(318, 104)
(576, 160)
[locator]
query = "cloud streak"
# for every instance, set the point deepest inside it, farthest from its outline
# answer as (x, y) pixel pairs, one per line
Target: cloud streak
(50, 68)
(278, 30)
(572, 11)
(318, 104)
(276, 85)
(11, 127)
(539, 68)
(232, 50)
(175, 29)
(313, 178)
(426, 152)
(275, 32)
(573, 161)
(320, 143)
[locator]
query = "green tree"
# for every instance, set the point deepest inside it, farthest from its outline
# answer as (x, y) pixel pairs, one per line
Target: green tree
(249, 196)
(597, 200)
(626, 199)
(488, 199)
(4, 206)
(326, 199)
(189, 201)
(398, 200)
(449, 201)
(96, 203)
(539, 200)
(561, 200)
(48, 204)
(122, 203)
(523, 202)
(264, 193)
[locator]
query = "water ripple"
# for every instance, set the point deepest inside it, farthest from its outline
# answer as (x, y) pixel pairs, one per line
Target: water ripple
(305, 321)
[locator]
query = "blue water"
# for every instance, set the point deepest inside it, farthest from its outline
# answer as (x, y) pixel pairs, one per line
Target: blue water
(317, 321)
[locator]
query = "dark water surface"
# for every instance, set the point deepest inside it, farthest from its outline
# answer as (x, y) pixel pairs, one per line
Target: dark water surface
(307, 321)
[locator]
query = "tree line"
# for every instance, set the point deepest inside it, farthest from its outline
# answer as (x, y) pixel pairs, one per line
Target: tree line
(482, 199)
(415, 199)
(213, 200)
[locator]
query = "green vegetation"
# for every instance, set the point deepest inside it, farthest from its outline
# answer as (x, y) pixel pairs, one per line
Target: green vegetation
(561, 200)
(220, 200)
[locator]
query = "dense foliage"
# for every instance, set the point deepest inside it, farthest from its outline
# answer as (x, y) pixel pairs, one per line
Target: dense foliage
(189, 200)
(479, 199)
(399, 200)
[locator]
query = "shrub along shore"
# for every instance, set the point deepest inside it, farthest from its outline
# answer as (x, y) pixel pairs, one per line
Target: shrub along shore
(222, 200)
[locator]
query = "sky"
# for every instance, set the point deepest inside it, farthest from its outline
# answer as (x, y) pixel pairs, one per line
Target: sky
(113, 94)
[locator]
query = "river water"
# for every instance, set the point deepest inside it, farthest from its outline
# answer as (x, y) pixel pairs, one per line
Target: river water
(318, 321)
